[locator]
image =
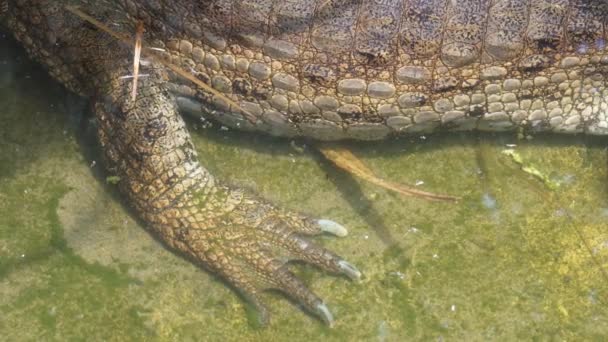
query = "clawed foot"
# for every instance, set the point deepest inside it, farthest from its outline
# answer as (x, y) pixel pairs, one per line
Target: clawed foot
(251, 245)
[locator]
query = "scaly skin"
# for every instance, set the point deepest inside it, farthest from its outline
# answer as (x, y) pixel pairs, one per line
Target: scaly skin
(242, 238)
(369, 69)
(324, 69)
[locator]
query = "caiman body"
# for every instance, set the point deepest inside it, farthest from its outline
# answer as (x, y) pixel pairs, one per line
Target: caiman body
(328, 70)
(369, 69)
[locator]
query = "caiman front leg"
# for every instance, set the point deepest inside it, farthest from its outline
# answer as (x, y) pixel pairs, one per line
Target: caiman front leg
(235, 234)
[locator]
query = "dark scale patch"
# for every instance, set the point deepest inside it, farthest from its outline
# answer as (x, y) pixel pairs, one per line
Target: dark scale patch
(411, 100)
(555, 96)
(113, 110)
(204, 78)
(159, 26)
(534, 63)
(444, 84)
(374, 59)
(350, 115)
(262, 93)
(318, 74)
(544, 92)
(165, 92)
(172, 180)
(526, 95)
(134, 152)
(242, 86)
(204, 96)
(602, 69)
(188, 150)
(471, 84)
(182, 234)
(477, 111)
(154, 129)
(297, 118)
(547, 45)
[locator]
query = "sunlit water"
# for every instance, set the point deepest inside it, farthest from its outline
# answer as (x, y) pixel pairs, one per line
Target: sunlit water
(514, 259)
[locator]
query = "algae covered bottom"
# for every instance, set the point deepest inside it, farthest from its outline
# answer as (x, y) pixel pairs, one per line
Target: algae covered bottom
(326, 70)
(508, 262)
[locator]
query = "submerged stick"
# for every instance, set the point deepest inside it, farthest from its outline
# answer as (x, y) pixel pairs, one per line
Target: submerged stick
(347, 161)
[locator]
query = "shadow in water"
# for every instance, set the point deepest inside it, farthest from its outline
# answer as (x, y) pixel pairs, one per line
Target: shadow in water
(351, 191)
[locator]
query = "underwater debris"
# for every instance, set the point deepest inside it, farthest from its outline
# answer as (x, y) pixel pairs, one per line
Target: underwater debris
(347, 161)
(531, 170)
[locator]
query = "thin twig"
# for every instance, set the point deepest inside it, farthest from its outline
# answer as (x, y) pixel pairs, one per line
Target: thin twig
(136, 57)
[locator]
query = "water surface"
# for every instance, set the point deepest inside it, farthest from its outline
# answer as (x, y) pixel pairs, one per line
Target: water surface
(514, 259)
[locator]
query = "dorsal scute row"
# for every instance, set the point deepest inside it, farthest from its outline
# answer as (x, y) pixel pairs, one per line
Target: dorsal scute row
(456, 33)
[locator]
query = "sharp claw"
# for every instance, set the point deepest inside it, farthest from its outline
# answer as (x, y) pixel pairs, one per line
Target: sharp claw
(325, 314)
(332, 227)
(351, 271)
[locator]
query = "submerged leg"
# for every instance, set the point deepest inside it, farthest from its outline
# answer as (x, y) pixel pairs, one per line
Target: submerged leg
(235, 234)
(146, 145)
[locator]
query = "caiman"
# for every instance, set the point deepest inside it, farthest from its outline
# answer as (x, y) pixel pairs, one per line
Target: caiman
(324, 69)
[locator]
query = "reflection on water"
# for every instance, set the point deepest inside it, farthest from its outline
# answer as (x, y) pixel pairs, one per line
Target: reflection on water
(513, 259)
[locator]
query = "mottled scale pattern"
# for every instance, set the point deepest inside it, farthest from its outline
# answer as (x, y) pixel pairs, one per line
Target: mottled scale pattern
(370, 69)
(506, 26)
(146, 145)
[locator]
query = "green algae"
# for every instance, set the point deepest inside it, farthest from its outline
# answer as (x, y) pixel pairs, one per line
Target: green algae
(512, 260)
(531, 169)
(113, 180)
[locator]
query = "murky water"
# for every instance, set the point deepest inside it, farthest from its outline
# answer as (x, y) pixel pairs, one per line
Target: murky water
(515, 259)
